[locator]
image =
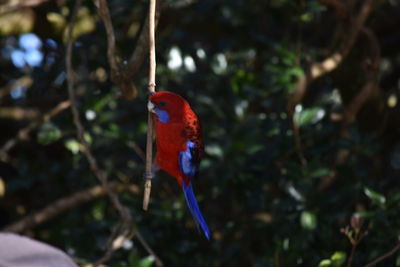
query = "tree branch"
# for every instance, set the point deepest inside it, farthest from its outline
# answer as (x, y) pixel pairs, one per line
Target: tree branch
(319, 69)
(124, 227)
(372, 72)
(149, 250)
(64, 204)
(100, 174)
(119, 75)
(17, 113)
(18, 4)
(384, 256)
(352, 109)
(104, 13)
(122, 74)
(67, 203)
(332, 62)
(24, 132)
(151, 88)
(142, 46)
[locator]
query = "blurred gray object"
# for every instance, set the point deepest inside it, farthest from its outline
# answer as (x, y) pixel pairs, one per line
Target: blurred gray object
(21, 251)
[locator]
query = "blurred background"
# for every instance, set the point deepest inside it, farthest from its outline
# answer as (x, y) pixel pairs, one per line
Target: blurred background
(299, 106)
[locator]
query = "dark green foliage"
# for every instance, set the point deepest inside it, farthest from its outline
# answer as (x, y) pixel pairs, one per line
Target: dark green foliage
(264, 205)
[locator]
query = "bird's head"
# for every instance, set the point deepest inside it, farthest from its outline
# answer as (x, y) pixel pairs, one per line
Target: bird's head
(167, 106)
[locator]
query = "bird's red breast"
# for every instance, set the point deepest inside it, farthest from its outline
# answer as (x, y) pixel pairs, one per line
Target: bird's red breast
(175, 125)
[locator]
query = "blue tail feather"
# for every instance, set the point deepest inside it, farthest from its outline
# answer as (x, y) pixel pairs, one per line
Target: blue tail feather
(194, 209)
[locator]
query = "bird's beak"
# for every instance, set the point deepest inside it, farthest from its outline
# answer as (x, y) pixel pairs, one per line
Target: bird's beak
(150, 106)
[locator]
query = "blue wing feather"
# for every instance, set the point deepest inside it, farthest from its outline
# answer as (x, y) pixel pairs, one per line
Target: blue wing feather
(186, 160)
(194, 209)
(188, 164)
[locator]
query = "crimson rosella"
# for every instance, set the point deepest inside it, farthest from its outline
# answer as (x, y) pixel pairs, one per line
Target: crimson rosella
(179, 145)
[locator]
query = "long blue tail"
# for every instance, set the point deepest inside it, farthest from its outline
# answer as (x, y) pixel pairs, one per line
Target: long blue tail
(194, 209)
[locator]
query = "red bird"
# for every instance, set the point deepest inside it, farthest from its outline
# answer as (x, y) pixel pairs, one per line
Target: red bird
(179, 145)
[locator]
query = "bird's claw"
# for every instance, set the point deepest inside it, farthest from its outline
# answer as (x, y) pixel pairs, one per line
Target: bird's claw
(152, 173)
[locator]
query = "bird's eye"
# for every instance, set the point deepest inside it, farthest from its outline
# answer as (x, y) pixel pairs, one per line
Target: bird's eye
(162, 104)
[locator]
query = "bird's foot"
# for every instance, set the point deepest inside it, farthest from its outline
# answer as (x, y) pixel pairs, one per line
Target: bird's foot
(154, 169)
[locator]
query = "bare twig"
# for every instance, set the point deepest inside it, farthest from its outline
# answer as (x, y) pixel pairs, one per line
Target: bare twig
(384, 256)
(123, 73)
(124, 227)
(139, 151)
(372, 66)
(145, 40)
(149, 250)
(319, 69)
(111, 54)
(142, 46)
(296, 127)
(332, 62)
(18, 4)
(23, 133)
(152, 86)
(66, 203)
(22, 82)
(355, 235)
(352, 253)
(353, 108)
(119, 75)
(17, 113)
(298, 144)
(100, 174)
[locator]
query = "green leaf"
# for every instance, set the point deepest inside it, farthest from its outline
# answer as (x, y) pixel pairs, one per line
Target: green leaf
(101, 103)
(325, 263)
(308, 116)
(254, 148)
(338, 258)
(398, 261)
(88, 138)
(133, 259)
(308, 220)
(306, 17)
(214, 150)
(72, 145)
(320, 172)
(376, 197)
(48, 133)
(98, 211)
(146, 262)
(273, 131)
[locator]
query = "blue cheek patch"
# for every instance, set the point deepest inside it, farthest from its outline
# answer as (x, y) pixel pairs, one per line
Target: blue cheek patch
(162, 115)
(185, 160)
